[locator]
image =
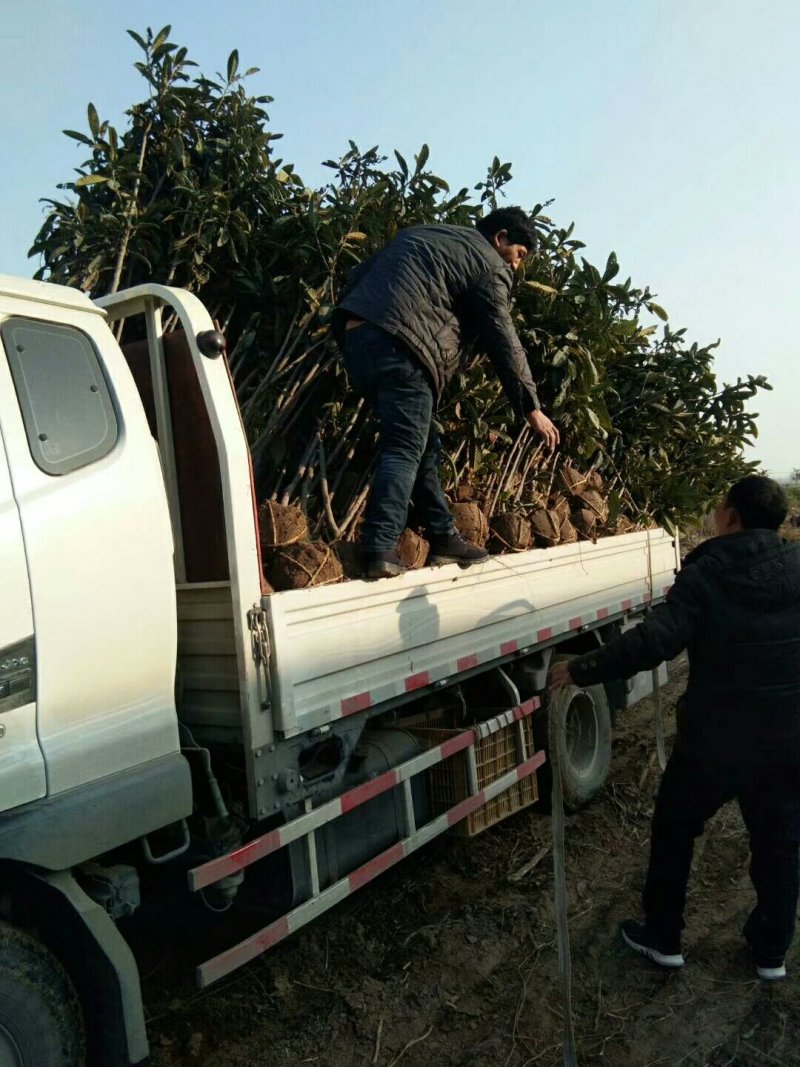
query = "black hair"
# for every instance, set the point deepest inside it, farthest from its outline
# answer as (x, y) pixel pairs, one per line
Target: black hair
(760, 502)
(517, 224)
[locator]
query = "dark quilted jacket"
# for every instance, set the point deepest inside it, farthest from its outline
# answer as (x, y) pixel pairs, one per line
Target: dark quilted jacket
(735, 606)
(439, 289)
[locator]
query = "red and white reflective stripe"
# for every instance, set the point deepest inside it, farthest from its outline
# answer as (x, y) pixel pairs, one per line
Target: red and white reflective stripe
(417, 681)
(358, 702)
(253, 946)
(223, 866)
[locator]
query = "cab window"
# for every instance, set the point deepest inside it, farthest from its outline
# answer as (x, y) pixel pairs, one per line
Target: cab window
(63, 395)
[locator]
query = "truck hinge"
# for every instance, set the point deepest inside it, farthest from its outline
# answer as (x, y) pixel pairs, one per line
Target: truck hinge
(259, 643)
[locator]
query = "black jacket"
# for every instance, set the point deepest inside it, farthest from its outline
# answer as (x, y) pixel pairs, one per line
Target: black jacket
(735, 606)
(439, 289)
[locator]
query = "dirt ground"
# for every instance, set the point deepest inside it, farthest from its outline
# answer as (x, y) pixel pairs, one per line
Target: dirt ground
(450, 959)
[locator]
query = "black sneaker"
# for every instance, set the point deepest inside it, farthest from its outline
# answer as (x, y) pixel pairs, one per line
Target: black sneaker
(382, 565)
(658, 949)
(454, 549)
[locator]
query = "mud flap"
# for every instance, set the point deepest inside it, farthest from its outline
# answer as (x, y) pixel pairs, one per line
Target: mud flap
(99, 962)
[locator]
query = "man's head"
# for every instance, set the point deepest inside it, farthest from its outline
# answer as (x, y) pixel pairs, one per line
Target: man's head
(753, 503)
(510, 232)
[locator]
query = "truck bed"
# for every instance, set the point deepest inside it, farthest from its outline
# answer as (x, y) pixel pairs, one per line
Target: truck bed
(340, 649)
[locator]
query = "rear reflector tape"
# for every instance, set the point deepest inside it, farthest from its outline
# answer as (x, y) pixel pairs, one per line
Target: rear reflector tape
(360, 702)
(417, 681)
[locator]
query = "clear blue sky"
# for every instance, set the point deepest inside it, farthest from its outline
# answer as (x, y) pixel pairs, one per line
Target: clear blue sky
(668, 130)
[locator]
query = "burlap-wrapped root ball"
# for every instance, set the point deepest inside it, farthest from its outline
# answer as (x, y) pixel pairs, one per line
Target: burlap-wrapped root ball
(560, 505)
(585, 522)
(594, 480)
(534, 494)
(412, 549)
(546, 527)
(280, 525)
(590, 500)
(509, 532)
(308, 563)
(471, 523)
(623, 525)
(569, 535)
(570, 480)
(465, 492)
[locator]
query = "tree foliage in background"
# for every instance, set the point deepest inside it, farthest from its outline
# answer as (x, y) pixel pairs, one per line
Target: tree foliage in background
(192, 194)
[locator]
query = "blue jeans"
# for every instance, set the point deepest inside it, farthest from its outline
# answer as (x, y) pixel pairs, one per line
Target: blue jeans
(399, 391)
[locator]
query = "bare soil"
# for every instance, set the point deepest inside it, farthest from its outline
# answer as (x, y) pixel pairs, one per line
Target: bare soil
(450, 959)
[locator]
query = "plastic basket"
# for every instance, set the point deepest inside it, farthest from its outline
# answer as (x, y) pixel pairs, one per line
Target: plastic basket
(495, 755)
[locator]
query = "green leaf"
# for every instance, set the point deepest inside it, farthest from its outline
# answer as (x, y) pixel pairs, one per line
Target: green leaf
(541, 287)
(656, 309)
(233, 64)
(94, 121)
(422, 158)
(614, 502)
(612, 268)
(79, 137)
(90, 179)
(161, 37)
(139, 40)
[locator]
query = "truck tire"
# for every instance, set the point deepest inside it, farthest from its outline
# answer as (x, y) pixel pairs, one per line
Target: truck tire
(40, 1017)
(575, 726)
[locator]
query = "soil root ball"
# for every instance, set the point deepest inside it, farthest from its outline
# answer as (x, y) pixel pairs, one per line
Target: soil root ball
(510, 532)
(471, 523)
(546, 527)
(349, 555)
(624, 525)
(412, 550)
(594, 480)
(309, 563)
(281, 525)
(465, 492)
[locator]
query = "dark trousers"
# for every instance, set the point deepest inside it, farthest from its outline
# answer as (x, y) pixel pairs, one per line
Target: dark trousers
(692, 790)
(398, 389)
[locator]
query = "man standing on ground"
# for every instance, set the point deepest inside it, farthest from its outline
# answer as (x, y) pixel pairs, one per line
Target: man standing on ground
(407, 313)
(735, 606)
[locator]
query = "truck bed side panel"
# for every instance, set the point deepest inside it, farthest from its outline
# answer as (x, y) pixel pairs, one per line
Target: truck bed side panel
(343, 648)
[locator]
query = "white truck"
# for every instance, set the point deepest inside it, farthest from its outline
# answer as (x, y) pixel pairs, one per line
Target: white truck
(163, 717)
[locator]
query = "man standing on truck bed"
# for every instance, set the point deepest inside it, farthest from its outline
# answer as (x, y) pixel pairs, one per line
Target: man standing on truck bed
(735, 606)
(406, 314)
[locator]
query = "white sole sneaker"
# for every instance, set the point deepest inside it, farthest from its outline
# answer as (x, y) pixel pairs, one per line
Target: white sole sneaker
(769, 974)
(662, 959)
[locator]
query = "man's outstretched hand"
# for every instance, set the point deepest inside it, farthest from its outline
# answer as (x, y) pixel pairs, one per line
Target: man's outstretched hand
(559, 676)
(538, 421)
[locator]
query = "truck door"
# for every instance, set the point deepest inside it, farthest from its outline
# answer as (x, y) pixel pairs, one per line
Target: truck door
(87, 482)
(22, 776)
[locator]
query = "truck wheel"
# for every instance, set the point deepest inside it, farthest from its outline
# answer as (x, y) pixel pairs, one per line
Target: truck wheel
(575, 727)
(40, 1017)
